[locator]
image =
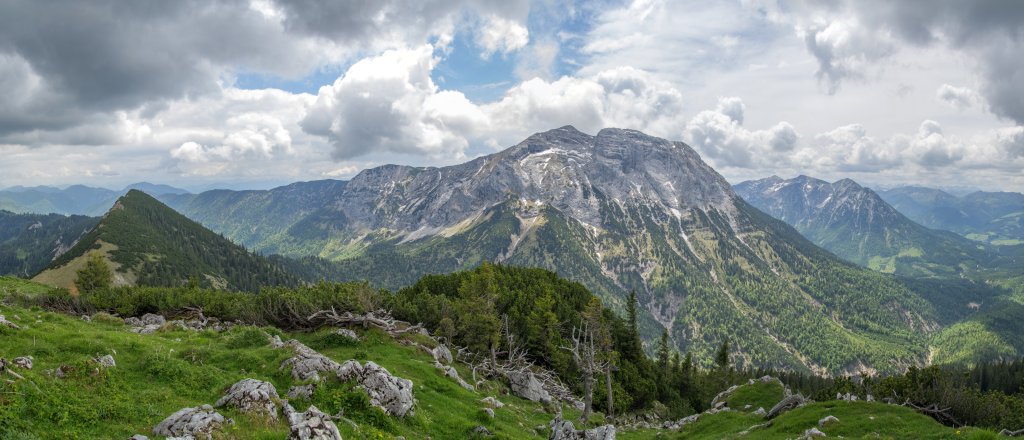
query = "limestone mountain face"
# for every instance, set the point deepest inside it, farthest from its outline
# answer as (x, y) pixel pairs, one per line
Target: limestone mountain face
(618, 211)
(855, 223)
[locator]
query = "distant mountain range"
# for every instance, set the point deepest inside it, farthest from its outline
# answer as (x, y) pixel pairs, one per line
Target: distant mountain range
(619, 211)
(29, 242)
(991, 217)
(147, 243)
(73, 200)
(855, 223)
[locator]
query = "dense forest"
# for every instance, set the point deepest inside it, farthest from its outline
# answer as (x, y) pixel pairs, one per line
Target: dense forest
(28, 242)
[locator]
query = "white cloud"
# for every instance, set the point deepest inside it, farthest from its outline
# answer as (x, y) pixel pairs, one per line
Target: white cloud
(844, 49)
(957, 97)
(720, 136)
(498, 34)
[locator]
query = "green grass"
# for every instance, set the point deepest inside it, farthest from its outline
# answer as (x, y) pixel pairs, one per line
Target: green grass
(856, 420)
(9, 284)
(758, 395)
(160, 373)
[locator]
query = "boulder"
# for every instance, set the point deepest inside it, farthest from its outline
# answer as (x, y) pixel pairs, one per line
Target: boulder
(275, 341)
(252, 396)
(153, 319)
(196, 422)
(812, 433)
(310, 425)
(307, 364)
(786, 404)
(491, 402)
(4, 322)
(526, 385)
(23, 362)
(760, 412)
(346, 333)
(389, 392)
(302, 391)
(482, 431)
(721, 397)
(488, 411)
(450, 371)
(564, 430)
(827, 421)
(106, 361)
(133, 322)
(442, 354)
(86, 318)
(138, 437)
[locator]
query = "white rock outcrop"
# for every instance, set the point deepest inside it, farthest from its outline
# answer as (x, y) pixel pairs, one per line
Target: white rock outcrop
(564, 430)
(527, 386)
(23, 362)
(252, 396)
(198, 422)
(310, 425)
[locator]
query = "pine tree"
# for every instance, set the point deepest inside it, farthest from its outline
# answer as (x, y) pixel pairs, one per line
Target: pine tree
(722, 357)
(663, 353)
(95, 275)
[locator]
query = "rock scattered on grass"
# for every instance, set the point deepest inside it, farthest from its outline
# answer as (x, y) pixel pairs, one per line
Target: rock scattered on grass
(442, 354)
(4, 322)
(564, 430)
(482, 431)
(527, 386)
(346, 333)
(138, 437)
(491, 402)
(488, 411)
(302, 391)
(390, 393)
(105, 361)
(812, 433)
(310, 425)
(196, 422)
(252, 396)
(23, 362)
(828, 420)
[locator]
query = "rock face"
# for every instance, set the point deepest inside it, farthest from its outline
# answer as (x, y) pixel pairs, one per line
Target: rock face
(442, 354)
(527, 386)
(390, 393)
(198, 422)
(310, 425)
(564, 430)
(252, 396)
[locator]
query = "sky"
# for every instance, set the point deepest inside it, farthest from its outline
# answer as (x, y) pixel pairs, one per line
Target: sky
(256, 93)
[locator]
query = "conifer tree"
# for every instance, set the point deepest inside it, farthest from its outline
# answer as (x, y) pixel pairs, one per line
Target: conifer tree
(95, 275)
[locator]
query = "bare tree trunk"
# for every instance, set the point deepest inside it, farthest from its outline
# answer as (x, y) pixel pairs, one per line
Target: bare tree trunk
(588, 397)
(608, 384)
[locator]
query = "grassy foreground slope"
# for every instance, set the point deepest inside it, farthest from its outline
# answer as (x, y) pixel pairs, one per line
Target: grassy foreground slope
(159, 373)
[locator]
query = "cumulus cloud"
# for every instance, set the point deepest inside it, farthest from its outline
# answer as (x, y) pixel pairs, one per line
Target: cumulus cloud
(122, 57)
(860, 34)
(844, 49)
(389, 103)
(957, 97)
(720, 135)
(498, 34)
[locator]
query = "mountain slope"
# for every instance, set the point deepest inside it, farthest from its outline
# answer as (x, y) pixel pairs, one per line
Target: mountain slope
(992, 217)
(620, 211)
(29, 242)
(73, 200)
(855, 223)
(148, 243)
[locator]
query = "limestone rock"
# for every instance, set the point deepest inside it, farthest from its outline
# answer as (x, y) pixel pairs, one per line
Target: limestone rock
(760, 412)
(491, 402)
(450, 371)
(23, 362)
(482, 431)
(307, 364)
(829, 420)
(86, 318)
(564, 430)
(812, 433)
(442, 354)
(310, 425)
(302, 391)
(196, 422)
(786, 404)
(527, 386)
(138, 437)
(106, 361)
(6, 323)
(275, 341)
(153, 319)
(347, 334)
(392, 393)
(252, 396)
(488, 411)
